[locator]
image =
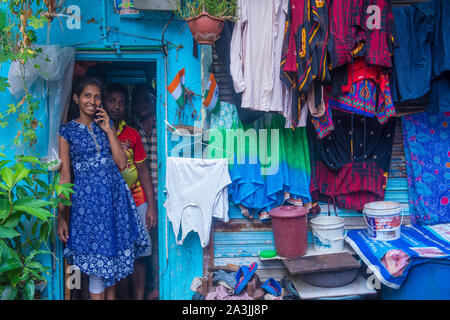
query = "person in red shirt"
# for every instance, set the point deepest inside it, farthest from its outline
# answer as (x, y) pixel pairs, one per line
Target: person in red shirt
(137, 176)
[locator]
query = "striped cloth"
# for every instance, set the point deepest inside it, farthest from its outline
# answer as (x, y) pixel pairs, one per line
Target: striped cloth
(150, 147)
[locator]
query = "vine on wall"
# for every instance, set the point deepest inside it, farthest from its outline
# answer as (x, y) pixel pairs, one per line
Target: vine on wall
(17, 36)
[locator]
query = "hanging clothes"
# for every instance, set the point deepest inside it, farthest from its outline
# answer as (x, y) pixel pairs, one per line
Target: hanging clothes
(275, 162)
(196, 192)
(359, 88)
(305, 48)
(254, 45)
(222, 50)
(426, 138)
(225, 118)
(358, 30)
(412, 58)
(305, 54)
(352, 163)
(422, 61)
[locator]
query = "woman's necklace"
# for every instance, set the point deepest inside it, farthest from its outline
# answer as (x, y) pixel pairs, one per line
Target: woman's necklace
(89, 127)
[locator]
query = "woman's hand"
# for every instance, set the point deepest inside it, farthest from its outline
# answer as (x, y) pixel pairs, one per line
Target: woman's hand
(62, 229)
(102, 119)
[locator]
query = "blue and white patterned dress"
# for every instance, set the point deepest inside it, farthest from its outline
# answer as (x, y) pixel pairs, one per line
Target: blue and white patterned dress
(105, 232)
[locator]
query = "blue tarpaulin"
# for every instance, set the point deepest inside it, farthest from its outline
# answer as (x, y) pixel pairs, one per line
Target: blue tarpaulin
(416, 245)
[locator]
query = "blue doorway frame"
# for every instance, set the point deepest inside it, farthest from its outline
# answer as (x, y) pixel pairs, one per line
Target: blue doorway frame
(58, 285)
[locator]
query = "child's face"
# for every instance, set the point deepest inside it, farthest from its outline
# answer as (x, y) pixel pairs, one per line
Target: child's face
(89, 100)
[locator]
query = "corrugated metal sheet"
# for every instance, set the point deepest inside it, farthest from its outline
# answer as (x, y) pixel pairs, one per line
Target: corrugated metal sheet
(239, 241)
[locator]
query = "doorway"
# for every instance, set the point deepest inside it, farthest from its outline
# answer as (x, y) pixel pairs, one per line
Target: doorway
(130, 74)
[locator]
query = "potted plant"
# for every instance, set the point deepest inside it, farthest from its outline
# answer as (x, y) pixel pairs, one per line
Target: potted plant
(26, 203)
(205, 18)
(124, 7)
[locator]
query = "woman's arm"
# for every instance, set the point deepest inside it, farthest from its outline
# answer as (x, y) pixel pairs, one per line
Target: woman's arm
(119, 156)
(64, 177)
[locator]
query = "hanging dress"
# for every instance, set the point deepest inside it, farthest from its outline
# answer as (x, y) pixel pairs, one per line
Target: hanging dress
(105, 232)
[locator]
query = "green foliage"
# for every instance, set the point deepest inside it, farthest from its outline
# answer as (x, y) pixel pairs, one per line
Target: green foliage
(26, 204)
(226, 9)
(16, 38)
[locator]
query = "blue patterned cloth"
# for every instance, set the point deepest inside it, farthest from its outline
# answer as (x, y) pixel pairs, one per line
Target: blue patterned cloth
(426, 138)
(106, 233)
(226, 118)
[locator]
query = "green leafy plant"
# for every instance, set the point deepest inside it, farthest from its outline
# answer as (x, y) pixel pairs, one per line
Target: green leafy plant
(225, 9)
(26, 204)
(16, 38)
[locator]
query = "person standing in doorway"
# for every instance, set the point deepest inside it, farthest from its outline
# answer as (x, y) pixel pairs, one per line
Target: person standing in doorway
(105, 233)
(143, 103)
(137, 176)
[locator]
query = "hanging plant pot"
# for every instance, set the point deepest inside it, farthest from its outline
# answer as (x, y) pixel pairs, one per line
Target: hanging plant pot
(205, 28)
(124, 7)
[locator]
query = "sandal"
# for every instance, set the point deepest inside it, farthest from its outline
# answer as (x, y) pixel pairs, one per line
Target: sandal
(264, 216)
(295, 202)
(243, 276)
(272, 287)
(245, 212)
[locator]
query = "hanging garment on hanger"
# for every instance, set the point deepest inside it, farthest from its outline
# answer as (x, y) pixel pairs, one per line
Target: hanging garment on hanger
(254, 46)
(351, 166)
(197, 191)
(305, 50)
(261, 174)
(363, 30)
(362, 89)
(305, 58)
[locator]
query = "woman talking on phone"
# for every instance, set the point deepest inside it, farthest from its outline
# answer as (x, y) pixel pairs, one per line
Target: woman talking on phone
(105, 234)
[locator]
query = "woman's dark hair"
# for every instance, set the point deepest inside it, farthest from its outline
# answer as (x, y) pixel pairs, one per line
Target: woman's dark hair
(77, 88)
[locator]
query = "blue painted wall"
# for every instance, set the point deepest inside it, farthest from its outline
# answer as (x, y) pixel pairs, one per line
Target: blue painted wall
(178, 264)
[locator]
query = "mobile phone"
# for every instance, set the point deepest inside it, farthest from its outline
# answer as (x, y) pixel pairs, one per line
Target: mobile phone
(96, 114)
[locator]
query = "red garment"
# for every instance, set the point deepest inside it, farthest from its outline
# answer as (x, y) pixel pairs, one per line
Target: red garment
(354, 185)
(348, 21)
(134, 149)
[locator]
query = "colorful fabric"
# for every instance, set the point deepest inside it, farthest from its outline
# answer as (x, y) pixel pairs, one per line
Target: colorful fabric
(132, 144)
(212, 102)
(352, 162)
(371, 141)
(276, 161)
(177, 89)
(362, 90)
(225, 118)
(105, 232)
(361, 99)
(323, 124)
(418, 244)
(150, 144)
(305, 55)
(351, 187)
(426, 138)
(353, 33)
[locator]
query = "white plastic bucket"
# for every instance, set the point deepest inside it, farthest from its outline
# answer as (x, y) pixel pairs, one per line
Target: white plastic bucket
(383, 219)
(328, 234)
